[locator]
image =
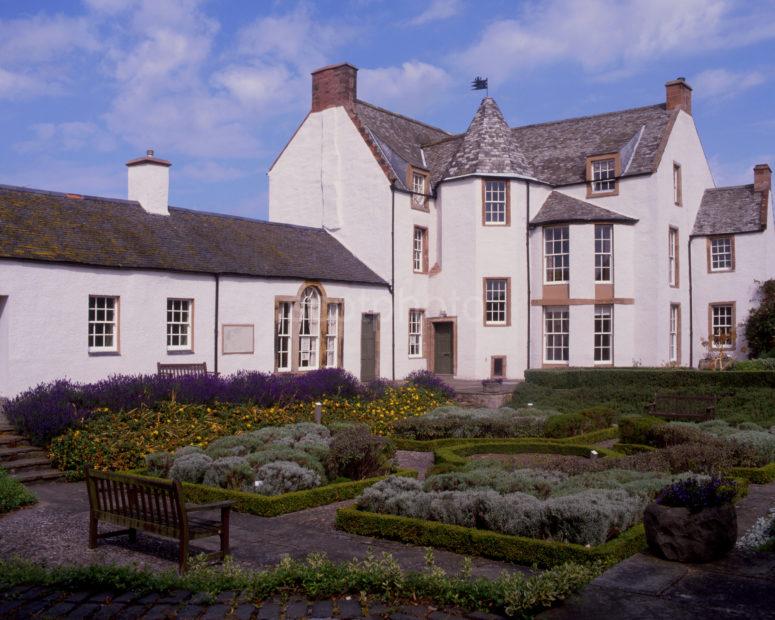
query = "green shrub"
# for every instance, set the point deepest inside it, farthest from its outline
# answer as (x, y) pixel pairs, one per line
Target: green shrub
(676, 433)
(190, 468)
(284, 477)
(355, 453)
(761, 363)
(13, 494)
(230, 472)
(567, 425)
(636, 429)
(600, 415)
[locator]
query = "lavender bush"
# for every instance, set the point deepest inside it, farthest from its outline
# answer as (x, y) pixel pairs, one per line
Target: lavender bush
(47, 410)
(427, 380)
(696, 494)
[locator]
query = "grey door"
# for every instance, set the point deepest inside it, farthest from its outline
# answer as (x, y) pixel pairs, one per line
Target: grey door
(443, 360)
(369, 330)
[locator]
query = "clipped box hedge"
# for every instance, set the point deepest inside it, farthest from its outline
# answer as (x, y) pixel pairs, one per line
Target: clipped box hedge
(657, 378)
(456, 454)
(485, 543)
(274, 505)
(755, 475)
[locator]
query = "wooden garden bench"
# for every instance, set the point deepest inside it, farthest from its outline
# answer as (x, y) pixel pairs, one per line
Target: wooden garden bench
(153, 506)
(676, 407)
(181, 370)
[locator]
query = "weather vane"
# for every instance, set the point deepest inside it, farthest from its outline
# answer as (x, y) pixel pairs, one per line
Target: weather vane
(480, 83)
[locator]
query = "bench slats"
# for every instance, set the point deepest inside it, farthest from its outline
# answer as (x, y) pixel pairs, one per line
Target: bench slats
(683, 407)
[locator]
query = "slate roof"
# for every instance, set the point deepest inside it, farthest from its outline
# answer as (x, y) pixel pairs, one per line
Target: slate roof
(729, 210)
(488, 146)
(554, 152)
(561, 208)
(48, 226)
(398, 137)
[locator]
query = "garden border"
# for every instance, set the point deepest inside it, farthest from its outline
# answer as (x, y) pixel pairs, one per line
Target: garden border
(755, 475)
(486, 543)
(275, 505)
(456, 454)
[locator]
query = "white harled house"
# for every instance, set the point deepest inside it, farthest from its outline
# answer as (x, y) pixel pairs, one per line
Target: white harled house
(394, 246)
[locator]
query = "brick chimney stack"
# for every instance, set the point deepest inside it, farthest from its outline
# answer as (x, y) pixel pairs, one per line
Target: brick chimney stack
(762, 178)
(334, 85)
(678, 94)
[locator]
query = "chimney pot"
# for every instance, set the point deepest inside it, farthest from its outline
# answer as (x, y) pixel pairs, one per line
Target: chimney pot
(678, 95)
(762, 178)
(149, 152)
(334, 86)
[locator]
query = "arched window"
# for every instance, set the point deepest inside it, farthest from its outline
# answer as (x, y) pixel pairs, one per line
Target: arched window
(309, 328)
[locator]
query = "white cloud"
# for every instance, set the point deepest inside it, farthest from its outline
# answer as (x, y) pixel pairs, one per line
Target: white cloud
(15, 85)
(602, 36)
(414, 86)
(723, 84)
(69, 136)
(255, 86)
(43, 38)
(437, 10)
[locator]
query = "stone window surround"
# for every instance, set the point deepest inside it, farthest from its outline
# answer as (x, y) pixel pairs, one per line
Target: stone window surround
(617, 173)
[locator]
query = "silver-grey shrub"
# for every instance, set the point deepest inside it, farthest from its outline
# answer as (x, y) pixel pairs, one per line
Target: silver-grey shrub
(453, 421)
(284, 453)
(186, 450)
(534, 481)
(646, 484)
(159, 463)
(283, 477)
(190, 467)
(230, 472)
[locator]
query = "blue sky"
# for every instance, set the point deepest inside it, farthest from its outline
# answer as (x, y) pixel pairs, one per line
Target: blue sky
(218, 86)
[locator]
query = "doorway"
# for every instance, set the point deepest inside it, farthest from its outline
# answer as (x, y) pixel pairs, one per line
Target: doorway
(369, 347)
(443, 348)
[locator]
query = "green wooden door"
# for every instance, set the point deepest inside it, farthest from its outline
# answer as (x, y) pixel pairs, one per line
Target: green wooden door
(369, 330)
(443, 360)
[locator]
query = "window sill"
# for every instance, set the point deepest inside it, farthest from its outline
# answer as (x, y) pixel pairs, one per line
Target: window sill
(416, 357)
(730, 270)
(591, 194)
(98, 353)
(497, 324)
(180, 351)
(496, 224)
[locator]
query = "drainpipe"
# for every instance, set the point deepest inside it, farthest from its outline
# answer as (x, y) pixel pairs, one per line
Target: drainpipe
(215, 339)
(691, 309)
(527, 263)
(393, 277)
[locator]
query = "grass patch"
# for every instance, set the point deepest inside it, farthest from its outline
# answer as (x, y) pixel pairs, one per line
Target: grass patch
(484, 543)
(13, 494)
(274, 505)
(456, 454)
(319, 578)
(743, 396)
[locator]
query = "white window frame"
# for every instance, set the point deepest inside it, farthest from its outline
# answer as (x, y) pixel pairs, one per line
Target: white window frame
(284, 335)
(674, 335)
(418, 249)
(419, 189)
(177, 309)
(332, 335)
(677, 189)
(604, 249)
(725, 254)
(309, 329)
(556, 254)
(496, 202)
(103, 323)
(603, 175)
(496, 301)
(604, 328)
(719, 326)
(416, 319)
(672, 256)
(556, 334)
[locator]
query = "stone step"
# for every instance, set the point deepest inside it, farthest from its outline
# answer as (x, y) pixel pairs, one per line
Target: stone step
(37, 475)
(6, 428)
(10, 440)
(10, 454)
(26, 464)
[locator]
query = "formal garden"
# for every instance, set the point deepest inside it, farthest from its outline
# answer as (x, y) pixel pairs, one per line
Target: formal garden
(568, 479)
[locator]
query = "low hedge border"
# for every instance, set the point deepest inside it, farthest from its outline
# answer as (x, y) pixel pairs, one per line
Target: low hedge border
(755, 475)
(632, 448)
(659, 378)
(456, 454)
(275, 505)
(485, 543)
(429, 445)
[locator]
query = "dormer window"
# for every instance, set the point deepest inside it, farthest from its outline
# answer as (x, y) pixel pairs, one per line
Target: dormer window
(418, 184)
(602, 172)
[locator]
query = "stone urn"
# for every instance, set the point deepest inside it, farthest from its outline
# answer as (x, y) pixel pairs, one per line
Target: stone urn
(679, 535)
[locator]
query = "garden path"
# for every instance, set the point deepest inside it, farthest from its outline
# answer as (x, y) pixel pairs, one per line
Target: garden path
(644, 586)
(54, 531)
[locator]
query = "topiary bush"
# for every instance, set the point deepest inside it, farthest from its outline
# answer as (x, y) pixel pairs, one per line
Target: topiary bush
(636, 428)
(567, 425)
(355, 453)
(190, 468)
(230, 472)
(283, 477)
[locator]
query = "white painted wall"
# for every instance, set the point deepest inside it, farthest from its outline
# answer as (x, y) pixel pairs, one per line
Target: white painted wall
(149, 184)
(45, 341)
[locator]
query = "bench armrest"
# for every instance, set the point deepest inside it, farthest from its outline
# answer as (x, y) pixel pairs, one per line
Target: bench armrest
(210, 506)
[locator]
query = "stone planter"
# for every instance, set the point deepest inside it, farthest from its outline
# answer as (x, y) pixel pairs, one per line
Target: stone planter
(678, 535)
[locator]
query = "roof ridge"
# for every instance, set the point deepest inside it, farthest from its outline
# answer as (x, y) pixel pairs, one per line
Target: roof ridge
(406, 118)
(48, 192)
(751, 185)
(245, 218)
(580, 118)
